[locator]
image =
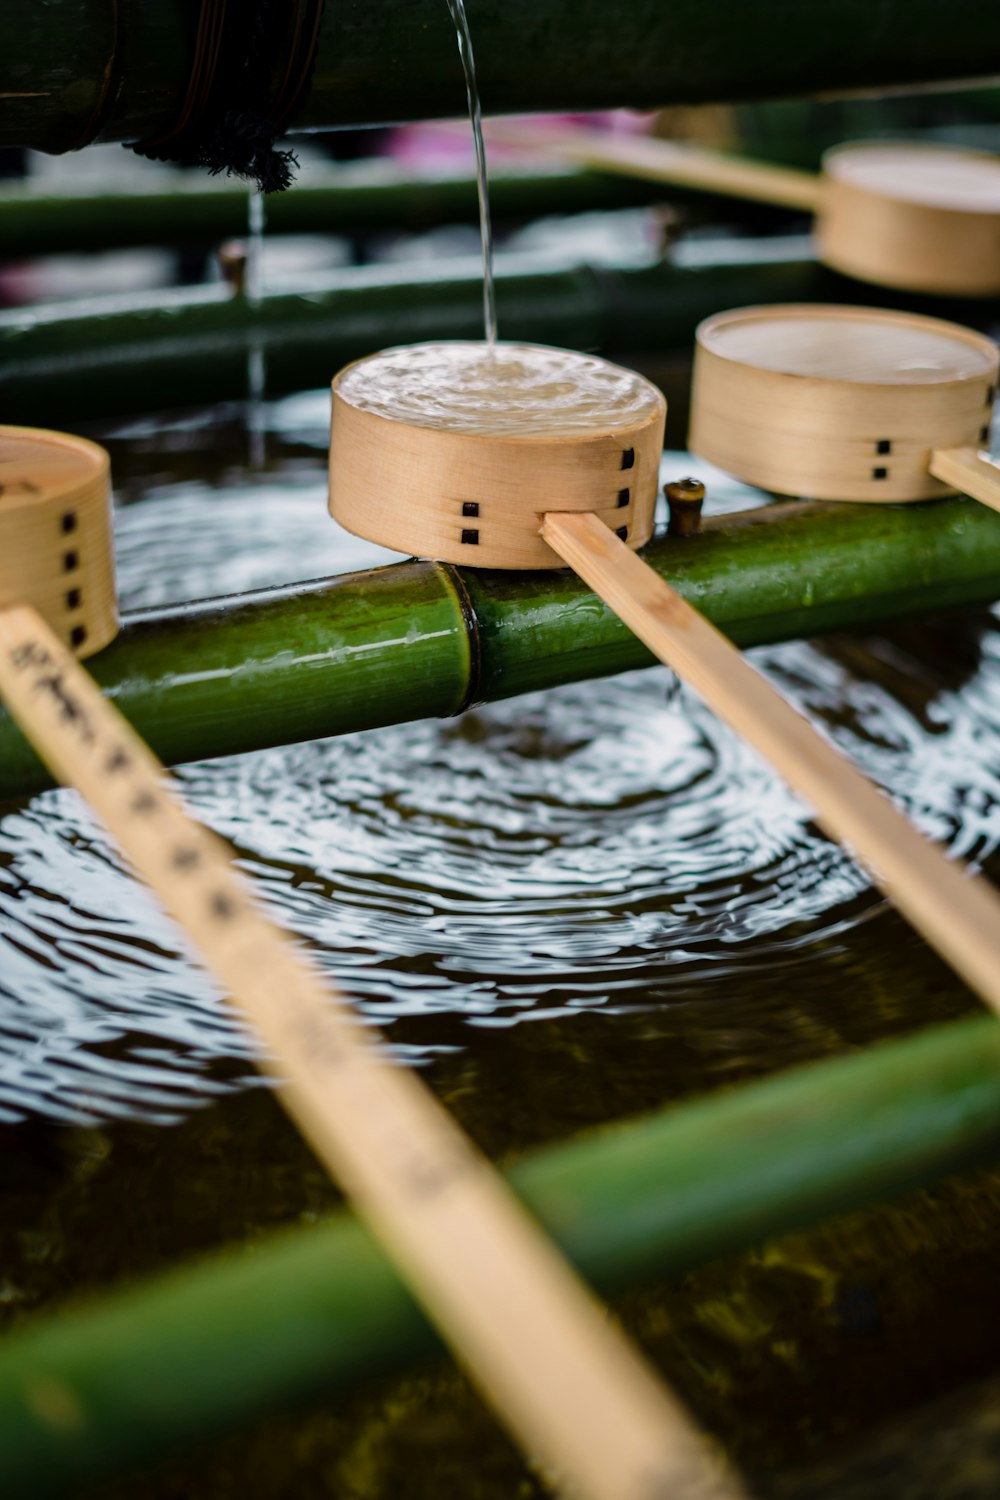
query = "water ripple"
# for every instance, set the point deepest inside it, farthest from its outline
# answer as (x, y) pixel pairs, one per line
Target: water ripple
(583, 847)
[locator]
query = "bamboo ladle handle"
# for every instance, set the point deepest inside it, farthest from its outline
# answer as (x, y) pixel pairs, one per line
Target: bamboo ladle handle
(967, 470)
(680, 165)
(574, 1391)
(957, 913)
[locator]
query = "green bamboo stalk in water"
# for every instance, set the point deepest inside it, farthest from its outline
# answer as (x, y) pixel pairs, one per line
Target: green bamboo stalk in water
(283, 665)
(313, 1311)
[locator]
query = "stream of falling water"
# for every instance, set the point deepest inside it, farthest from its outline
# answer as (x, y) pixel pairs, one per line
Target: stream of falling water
(457, 11)
(256, 359)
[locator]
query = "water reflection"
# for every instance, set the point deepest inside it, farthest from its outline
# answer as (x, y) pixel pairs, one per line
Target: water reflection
(606, 845)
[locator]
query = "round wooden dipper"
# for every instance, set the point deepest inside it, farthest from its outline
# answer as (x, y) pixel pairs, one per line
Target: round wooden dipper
(457, 450)
(844, 403)
(918, 216)
(921, 216)
(55, 518)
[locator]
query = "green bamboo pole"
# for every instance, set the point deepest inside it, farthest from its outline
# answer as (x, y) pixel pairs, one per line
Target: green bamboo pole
(314, 1311)
(349, 202)
(230, 675)
(113, 355)
(71, 67)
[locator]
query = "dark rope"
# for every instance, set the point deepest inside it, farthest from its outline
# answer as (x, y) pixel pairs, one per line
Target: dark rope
(230, 114)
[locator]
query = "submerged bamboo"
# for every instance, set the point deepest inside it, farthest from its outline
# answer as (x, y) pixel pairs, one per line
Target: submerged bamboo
(314, 1311)
(283, 665)
(79, 69)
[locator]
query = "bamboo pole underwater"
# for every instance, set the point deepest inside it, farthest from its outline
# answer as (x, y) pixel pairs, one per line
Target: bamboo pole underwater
(75, 70)
(310, 1312)
(577, 1396)
(229, 675)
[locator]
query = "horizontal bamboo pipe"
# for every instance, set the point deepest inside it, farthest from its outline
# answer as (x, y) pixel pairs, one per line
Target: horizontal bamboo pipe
(109, 356)
(180, 675)
(349, 201)
(74, 68)
(112, 355)
(313, 1311)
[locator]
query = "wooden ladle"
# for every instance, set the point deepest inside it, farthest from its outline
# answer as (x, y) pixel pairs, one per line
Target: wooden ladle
(846, 403)
(919, 217)
(568, 1383)
(481, 498)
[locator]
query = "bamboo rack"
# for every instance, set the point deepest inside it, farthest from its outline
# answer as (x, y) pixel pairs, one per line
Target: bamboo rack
(630, 1205)
(867, 564)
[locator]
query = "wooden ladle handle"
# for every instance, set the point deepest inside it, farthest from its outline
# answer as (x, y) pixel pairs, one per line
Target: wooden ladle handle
(967, 470)
(568, 1383)
(957, 913)
(667, 161)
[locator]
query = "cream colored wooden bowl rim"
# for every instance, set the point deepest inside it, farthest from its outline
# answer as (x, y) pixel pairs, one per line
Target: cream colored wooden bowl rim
(816, 426)
(922, 216)
(477, 498)
(56, 547)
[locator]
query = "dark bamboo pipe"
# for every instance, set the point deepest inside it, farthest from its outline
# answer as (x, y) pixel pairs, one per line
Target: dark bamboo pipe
(71, 70)
(230, 675)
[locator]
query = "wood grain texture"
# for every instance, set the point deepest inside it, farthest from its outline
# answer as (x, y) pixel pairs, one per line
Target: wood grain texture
(429, 492)
(55, 524)
(568, 1383)
(920, 217)
(839, 403)
(967, 470)
(957, 913)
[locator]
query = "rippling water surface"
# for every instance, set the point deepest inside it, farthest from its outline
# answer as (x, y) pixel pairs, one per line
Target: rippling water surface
(603, 846)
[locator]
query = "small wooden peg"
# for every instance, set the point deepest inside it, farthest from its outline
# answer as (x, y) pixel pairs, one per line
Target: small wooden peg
(685, 498)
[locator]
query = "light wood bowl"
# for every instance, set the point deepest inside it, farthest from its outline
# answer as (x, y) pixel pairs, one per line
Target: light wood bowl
(478, 498)
(920, 217)
(55, 524)
(839, 403)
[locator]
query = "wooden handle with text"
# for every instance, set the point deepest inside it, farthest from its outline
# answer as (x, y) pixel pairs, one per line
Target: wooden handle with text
(575, 1392)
